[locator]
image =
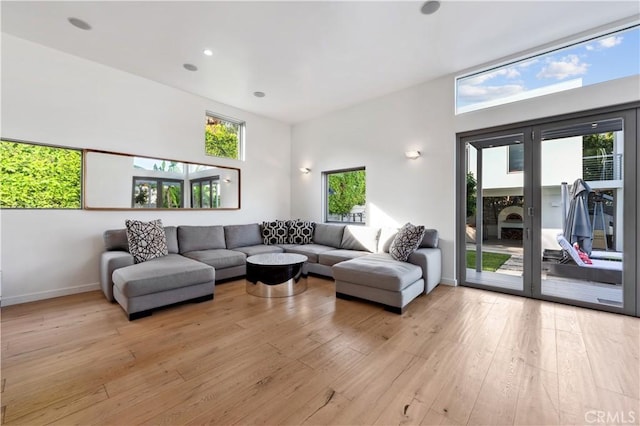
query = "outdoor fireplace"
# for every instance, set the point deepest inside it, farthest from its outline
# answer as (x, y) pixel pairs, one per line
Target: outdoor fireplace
(510, 223)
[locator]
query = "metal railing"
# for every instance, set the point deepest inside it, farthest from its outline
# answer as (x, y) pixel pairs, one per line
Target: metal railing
(602, 167)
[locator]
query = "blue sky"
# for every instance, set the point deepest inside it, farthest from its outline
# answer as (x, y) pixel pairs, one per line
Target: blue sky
(605, 58)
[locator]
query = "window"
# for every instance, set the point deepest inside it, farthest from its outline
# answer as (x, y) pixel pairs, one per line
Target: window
(224, 137)
(205, 193)
(147, 196)
(516, 158)
(40, 176)
(604, 58)
(345, 195)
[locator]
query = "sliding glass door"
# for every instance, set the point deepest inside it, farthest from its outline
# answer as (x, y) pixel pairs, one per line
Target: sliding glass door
(495, 223)
(585, 184)
(548, 210)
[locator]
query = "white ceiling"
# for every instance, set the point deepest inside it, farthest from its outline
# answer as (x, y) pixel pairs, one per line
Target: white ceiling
(308, 57)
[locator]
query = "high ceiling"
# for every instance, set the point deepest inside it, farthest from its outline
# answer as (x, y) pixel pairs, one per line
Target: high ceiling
(308, 57)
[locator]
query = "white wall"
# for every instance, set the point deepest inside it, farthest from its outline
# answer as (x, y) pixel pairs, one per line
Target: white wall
(376, 133)
(55, 98)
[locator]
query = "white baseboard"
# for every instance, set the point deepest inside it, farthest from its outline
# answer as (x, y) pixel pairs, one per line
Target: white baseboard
(49, 294)
(449, 281)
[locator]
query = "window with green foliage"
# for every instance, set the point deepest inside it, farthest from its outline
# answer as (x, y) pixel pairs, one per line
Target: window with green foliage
(40, 176)
(345, 195)
(223, 137)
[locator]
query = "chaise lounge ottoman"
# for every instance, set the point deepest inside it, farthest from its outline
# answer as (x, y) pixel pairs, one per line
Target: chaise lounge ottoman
(162, 281)
(379, 278)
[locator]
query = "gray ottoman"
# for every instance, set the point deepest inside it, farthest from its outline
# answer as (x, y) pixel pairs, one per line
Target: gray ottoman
(379, 278)
(160, 282)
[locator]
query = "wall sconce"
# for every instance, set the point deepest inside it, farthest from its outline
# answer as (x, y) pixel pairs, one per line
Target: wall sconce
(226, 180)
(412, 155)
(305, 170)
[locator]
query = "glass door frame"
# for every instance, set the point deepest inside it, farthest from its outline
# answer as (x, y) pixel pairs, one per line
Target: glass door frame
(482, 140)
(532, 245)
(629, 276)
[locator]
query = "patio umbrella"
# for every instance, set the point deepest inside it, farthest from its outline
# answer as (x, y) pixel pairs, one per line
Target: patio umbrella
(577, 227)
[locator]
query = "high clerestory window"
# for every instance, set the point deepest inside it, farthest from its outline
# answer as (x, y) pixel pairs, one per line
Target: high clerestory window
(224, 137)
(39, 176)
(607, 57)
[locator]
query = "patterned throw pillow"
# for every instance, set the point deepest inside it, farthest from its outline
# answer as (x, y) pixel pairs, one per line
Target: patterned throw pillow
(406, 241)
(276, 232)
(301, 232)
(147, 240)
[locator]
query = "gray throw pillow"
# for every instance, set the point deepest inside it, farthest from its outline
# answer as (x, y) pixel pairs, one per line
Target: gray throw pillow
(430, 239)
(406, 241)
(147, 240)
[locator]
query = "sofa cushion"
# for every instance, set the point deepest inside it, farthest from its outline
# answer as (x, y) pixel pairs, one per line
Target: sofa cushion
(147, 240)
(218, 258)
(328, 235)
(386, 238)
(310, 250)
(242, 235)
(276, 232)
(259, 249)
(301, 232)
(172, 239)
(161, 274)
(195, 238)
(406, 241)
(361, 238)
(116, 239)
(430, 239)
(377, 270)
(332, 257)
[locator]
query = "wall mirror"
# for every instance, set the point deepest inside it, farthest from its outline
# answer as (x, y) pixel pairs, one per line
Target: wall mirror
(122, 181)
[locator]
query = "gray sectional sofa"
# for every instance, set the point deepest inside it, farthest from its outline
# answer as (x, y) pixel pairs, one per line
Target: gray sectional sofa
(199, 256)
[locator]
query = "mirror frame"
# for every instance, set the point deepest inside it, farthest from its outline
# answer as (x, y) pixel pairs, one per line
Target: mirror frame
(85, 171)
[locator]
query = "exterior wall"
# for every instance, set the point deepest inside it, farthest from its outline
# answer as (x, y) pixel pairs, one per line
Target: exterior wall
(55, 98)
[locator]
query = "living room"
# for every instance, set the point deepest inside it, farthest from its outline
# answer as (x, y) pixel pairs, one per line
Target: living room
(53, 97)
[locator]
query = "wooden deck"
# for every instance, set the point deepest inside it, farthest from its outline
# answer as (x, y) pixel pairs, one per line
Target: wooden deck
(457, 356)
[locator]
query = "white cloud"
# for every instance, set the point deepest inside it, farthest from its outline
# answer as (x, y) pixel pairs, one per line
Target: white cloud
(475, 93)
(605, 43)
(506, 72)
(566, 67)
(608, 42)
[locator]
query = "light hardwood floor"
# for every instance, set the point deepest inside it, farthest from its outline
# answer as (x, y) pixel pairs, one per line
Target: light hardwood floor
(457, 356)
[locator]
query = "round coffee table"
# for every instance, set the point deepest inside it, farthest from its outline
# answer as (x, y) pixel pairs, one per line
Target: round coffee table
(276, 275)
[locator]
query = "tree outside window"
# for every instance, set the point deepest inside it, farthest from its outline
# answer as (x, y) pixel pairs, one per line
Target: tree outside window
(40, 176)
(346, 195)
(223, 137)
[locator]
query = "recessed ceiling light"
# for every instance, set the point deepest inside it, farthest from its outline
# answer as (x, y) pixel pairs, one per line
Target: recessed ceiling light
(190, 67)
(430, 7)
(79, 23)
(259, 94)
(208, 52)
